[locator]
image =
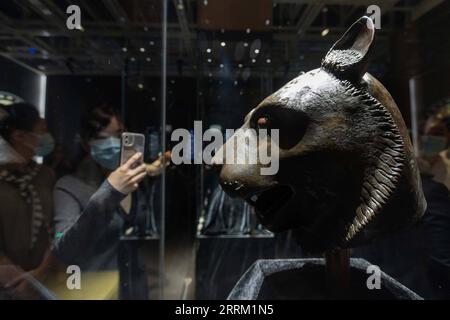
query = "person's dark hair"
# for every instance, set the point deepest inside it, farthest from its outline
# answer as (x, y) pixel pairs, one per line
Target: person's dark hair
(96, 120)
(18, 116)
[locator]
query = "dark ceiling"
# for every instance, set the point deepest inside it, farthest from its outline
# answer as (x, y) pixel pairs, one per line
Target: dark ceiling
(288, 34)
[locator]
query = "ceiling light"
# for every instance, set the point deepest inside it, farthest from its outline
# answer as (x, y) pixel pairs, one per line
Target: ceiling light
(253, 60)
(256, 51)
(221, 65)
(208, 50)
(268, 60)
(140, 86)
(223, 44)
(325, 32)
(142, 49)
(148, 59)
(124, 49)
(209, 60)
(248, 30)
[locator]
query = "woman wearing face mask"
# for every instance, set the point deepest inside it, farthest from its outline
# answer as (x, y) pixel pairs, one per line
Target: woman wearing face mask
(435, 146)
(435, 169)
(100, 202)
(25, 197)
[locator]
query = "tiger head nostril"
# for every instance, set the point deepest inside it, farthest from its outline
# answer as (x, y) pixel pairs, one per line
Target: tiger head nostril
(233, 185)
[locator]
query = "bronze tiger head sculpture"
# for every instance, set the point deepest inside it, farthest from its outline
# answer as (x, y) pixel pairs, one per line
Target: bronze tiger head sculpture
(347, 171)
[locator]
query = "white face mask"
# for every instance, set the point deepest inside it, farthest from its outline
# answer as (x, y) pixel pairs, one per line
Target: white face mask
(8, 155)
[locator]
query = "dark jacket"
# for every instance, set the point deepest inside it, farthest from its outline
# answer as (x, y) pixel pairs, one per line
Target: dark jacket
(89, 225)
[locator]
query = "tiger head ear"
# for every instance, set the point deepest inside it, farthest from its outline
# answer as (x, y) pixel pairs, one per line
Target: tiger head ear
(349, 57)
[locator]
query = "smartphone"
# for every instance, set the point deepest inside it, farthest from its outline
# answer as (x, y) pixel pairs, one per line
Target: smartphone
(131, 143)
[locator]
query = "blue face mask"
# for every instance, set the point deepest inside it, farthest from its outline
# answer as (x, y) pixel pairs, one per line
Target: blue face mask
(106, 152)
(432, 145)
(45, 145)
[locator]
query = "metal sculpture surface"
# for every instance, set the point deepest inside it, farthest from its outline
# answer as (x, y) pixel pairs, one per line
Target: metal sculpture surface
(347, 171)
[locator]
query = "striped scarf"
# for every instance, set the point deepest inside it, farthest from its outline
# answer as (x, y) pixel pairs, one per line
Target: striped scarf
(30, 195)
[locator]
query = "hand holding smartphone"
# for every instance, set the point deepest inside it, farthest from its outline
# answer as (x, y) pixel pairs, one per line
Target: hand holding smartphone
(131, 143)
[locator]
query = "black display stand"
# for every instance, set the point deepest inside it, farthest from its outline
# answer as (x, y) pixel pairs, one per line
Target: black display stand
(307, 279)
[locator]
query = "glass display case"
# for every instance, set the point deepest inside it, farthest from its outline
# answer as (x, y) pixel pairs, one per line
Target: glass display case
(184, 74)
(93, 70)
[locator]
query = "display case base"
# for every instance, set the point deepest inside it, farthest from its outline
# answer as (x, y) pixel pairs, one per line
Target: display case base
(307, 279)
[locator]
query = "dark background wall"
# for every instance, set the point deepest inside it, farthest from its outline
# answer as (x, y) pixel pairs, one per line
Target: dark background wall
(19, 81)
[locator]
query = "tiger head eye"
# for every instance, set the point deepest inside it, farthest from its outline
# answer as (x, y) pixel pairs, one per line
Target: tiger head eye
(263, 121)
